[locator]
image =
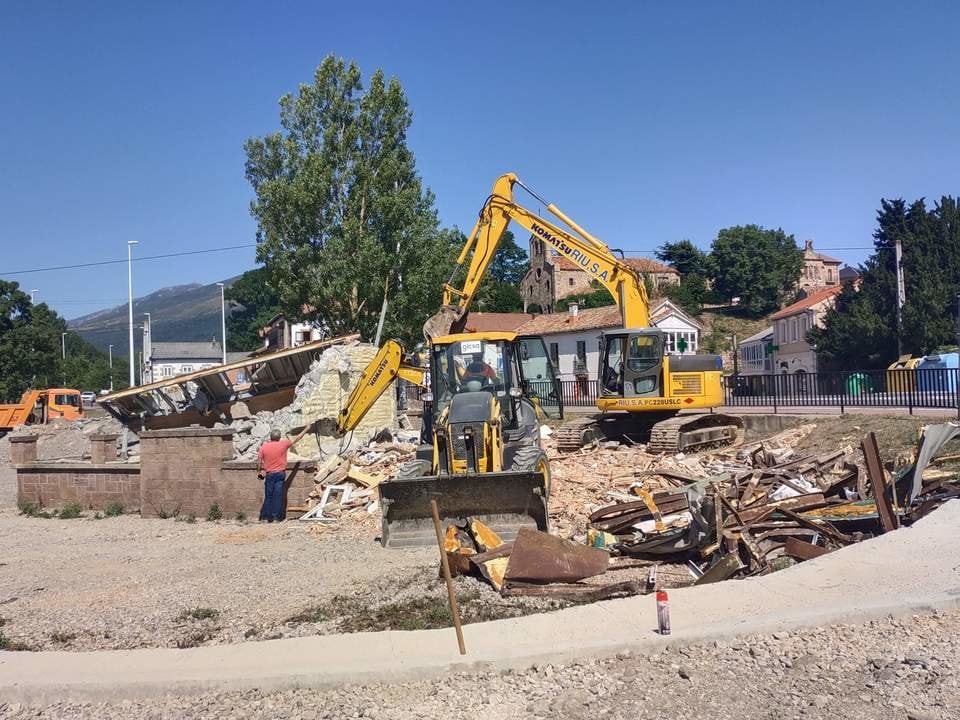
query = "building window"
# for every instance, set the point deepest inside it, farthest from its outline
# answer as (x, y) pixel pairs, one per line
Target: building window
(166, 371)
(570, 282)
(555, 354)
(241, 376)
(186, 368)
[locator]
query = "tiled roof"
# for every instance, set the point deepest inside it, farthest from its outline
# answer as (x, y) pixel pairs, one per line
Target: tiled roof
(766, 332)
(496, 321)
(812, 299)
(561, 322)
(642, 265)
(664, 308)
(186, 350)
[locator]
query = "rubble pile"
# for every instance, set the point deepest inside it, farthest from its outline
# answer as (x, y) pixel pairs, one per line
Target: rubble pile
(319, 395)
(66, 440)
(345, 484)
(751, 510)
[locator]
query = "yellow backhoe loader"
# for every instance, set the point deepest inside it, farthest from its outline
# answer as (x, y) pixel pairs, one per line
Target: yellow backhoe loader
(641, 387)
(480, 455)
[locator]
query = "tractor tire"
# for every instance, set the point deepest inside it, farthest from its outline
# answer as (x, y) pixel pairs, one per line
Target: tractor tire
(412, 469)
(532, 459)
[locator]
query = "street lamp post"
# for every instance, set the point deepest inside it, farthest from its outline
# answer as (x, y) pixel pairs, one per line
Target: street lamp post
(223, 321)
(110, 350)
(63, 354)
(33, 294)
(130, 244)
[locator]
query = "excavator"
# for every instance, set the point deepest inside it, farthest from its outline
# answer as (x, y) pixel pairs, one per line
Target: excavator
(480, 455)
(642, 389)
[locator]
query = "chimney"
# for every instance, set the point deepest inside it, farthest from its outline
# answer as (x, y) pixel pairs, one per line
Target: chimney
(573, 309)
(808, 245)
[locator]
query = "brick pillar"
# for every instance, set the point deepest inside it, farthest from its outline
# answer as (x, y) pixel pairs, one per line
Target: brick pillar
(103, 448)
(23, 449)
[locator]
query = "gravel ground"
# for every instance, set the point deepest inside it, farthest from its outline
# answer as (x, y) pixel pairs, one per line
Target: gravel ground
(126, 582)
(892, 668)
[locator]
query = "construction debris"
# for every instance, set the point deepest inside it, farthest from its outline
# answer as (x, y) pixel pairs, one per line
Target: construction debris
(752, 510)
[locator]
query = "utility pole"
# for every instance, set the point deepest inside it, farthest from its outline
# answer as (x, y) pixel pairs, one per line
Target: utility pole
(63, 354)
(130, 244)
(33, 294)
(223, 322)
(901, 293)
(146, 351)
(110, 350)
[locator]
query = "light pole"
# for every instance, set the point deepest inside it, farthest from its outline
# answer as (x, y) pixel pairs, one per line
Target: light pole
(110, 350)
(223, 322)
(63, 346)
(130, 244)
(33, 294)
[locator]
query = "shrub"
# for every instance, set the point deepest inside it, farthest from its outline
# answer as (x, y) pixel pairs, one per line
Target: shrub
(214, 513)
(28, 508)
(113, 509)
(199, 613)
(240, 517)
(70, 511)
(189, 519)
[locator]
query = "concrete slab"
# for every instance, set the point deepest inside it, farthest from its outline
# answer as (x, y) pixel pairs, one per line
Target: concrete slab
(912, 569)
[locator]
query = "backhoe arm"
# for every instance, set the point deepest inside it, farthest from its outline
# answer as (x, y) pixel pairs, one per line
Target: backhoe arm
(386, 366)
(576, 244)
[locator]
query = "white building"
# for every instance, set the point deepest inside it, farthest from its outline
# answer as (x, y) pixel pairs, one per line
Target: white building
(573, 338)
(168, 359)
(280, 334)
(756, 353)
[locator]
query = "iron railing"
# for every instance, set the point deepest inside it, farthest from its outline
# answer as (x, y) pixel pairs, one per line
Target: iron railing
(855, 388)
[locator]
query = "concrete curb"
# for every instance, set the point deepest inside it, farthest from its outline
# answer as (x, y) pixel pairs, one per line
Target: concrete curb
(915, 569)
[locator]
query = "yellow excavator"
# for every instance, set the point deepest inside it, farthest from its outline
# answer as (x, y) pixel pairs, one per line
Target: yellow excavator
(642, 388)
(480, 455)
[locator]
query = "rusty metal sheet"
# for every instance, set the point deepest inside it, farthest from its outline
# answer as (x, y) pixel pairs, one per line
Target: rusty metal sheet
(802, 550)
(538, 557)
(871, 455)
(724, 568)
(798, 502)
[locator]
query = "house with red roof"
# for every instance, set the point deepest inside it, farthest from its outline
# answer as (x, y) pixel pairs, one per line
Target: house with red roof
(573, 337)
(553, 277)
(792, 353)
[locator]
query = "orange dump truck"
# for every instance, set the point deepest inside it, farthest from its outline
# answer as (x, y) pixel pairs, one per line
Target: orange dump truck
(37, 407)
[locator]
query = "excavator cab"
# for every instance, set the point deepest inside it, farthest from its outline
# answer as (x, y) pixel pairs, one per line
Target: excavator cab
(483, 460)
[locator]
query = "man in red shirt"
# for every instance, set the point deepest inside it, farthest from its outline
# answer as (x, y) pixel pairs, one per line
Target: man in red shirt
(272, 468)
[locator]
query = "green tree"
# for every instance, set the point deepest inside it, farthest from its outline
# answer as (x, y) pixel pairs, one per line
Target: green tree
(343, 218)
(860, 331)
(759, 266)
(599, 296)
(253, 303)
(31, 353)
(694, 267)
(500, 289)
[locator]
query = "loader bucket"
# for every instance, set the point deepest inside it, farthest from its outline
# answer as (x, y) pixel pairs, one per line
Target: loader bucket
(504, 501)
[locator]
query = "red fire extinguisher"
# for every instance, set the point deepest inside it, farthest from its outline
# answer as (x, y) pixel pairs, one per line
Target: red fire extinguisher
(663, 612)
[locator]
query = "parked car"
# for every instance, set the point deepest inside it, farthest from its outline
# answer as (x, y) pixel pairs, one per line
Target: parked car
(89, 397)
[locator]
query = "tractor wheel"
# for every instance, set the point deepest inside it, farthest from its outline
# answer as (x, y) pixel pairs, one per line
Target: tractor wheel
(532, 459)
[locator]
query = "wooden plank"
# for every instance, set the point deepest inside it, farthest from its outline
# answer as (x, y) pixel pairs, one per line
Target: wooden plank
(871, 455)
(798, 502)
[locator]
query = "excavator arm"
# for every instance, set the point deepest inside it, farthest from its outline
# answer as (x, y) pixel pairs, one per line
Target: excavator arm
(386, 366)
(576, 244)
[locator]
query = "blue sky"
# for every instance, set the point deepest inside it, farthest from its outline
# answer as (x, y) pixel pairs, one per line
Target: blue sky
(645, 123)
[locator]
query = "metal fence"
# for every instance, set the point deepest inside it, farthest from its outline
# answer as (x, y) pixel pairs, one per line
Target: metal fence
(858, 388)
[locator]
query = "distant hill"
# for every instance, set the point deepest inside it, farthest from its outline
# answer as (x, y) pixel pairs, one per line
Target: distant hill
(181, 312)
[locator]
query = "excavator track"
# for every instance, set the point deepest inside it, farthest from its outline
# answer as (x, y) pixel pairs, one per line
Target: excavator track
(680, 433)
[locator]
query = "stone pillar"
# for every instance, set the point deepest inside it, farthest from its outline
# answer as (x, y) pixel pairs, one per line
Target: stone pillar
(103, 448)
(23, 449)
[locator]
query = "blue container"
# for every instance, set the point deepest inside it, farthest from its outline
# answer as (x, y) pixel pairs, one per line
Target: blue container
(945, 380)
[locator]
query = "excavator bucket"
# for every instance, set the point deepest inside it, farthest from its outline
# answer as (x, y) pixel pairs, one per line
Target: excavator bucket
(443, 322)
(504, 501)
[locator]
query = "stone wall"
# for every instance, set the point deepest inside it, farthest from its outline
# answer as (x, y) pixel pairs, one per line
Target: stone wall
(184, 471)
(331, 391)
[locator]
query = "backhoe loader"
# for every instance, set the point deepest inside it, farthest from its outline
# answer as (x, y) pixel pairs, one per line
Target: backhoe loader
(641, 387)
(480, 455)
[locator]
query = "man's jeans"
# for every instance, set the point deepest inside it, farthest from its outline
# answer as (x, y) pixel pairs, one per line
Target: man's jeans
(273, 496)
